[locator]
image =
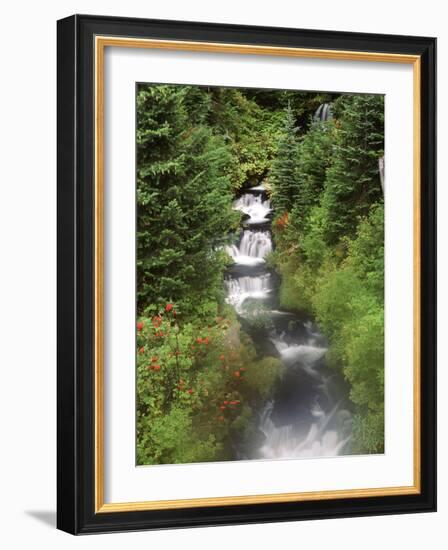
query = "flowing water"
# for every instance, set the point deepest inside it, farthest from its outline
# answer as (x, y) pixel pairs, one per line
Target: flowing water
(307, 415)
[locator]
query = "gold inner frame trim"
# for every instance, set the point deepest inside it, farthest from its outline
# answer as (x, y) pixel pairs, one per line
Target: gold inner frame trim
(101, 42)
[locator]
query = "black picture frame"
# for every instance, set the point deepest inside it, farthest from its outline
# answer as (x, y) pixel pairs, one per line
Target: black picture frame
(76, 271)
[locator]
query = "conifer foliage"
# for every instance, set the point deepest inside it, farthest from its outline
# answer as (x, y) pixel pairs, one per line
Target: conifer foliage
(198, 376)
(283, 177)
(183, 201)
(353, 181)
(330, 247)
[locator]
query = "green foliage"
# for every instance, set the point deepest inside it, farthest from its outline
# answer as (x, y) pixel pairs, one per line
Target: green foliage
(194, 385)
(198, 376)
(313, 159)
(262, 375)
(183, 200)
(249, 132)
(173, 439)
(346, 296)
(303, 104)
(282, 177)
(330, 251)
(352, 182)
(368, 433)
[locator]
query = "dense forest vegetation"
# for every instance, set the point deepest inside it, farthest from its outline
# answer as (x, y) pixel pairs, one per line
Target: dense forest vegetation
(199, 376)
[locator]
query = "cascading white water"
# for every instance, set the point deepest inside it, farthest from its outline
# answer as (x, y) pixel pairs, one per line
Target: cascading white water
(255, 207)
(258, 188)
(241, 288)
(253, 248)
(326, 436)
(327, 433)
(311, 424)
(306, 354)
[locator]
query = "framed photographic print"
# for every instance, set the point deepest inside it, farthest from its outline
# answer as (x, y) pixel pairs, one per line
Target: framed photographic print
(246, 274)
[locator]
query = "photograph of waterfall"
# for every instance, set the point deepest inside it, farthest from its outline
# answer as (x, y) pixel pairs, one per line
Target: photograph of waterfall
(260, 274)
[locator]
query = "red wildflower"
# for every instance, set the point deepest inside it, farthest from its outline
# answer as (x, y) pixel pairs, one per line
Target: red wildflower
(141, 350)
(174, 313)
(222, 357)
(236, 373)
(156, 367)
(190, 391)
(154, 358)
(169, 307)
(282, 221)
(234, 402)
(139, 326)
(199, 340)
(225, 402)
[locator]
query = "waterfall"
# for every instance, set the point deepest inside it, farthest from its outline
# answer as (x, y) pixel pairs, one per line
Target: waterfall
(241, 288)
(304, 417)
(253, 248)
(323, 113)
(319, 440)
(254, 206)
(305, 354)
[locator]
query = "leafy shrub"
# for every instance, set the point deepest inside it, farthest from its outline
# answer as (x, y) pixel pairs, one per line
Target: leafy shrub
(193, 389)
(262, 375)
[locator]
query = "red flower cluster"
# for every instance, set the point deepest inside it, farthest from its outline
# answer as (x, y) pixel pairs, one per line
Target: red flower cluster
(238, 373)
(283, 220)
(157, 321)
(153, 367)
(169, 307)
(140, 326)
(205, 340)
(226, 402)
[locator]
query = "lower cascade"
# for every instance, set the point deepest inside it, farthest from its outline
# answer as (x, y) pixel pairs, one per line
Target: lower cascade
(307, 414)
(241, 288)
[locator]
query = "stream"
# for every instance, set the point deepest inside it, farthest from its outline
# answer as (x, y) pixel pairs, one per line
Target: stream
(308, 414)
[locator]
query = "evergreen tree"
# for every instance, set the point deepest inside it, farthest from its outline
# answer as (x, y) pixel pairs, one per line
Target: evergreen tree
(313, 159)
(283, 175)
(353, 183)
(183, 201)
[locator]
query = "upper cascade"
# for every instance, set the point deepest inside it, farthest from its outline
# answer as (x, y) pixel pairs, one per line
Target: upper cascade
(255, 206)
(323, 113)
